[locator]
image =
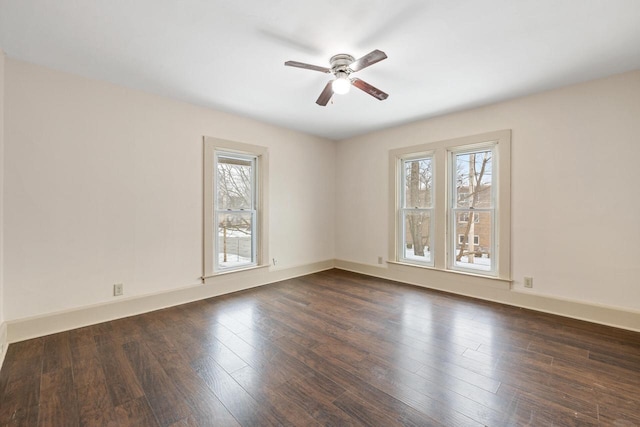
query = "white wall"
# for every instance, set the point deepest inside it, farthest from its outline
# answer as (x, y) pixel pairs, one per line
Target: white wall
(103, 185)
(575, 197)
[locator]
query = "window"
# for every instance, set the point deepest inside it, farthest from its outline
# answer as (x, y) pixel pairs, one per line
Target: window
(234, 206)
(451, 207)
(416, 211)
(472, 195)
(464, 217)
(463, 238)
(234, 210)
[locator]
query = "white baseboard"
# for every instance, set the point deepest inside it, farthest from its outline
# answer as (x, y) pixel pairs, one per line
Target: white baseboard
(33, 327)
(474, 287)
(3, 342)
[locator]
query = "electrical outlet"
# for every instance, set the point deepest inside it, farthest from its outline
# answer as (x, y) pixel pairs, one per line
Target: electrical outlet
(118, 289)
(528, 282)
(379, 260)
(275, 261)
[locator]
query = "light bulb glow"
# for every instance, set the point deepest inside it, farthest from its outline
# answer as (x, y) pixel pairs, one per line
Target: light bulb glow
(341, 85)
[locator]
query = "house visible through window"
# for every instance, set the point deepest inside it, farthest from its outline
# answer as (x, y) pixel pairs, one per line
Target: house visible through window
(462, 239)
(464, 217)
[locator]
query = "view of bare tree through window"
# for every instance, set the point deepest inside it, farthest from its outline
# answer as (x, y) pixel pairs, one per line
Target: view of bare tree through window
(473, 208)
(235, 214)
(417, 204)
(451, 203)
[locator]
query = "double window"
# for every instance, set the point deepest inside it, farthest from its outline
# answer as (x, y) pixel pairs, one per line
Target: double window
(234, 200)
(452, 205)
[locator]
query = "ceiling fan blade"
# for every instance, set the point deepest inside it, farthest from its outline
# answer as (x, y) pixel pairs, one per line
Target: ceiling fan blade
(371, 90)
(307, 66)
(369, 59)
(326, 94)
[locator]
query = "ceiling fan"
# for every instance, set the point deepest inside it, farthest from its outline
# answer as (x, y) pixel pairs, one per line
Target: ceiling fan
(342, 65)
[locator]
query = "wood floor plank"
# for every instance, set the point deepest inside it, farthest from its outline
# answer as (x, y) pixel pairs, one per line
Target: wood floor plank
(480, 380)
(557, 350)
(331, 348)
(206, 408)
(384, 393)
(276, 394)
(166, 402)
(529, 409)
(57, 352)
(19, 398)
(58, 399)
(20, 381)
(135, 412)
(420, 392)
(242, 406)
(200, 343)
(121, 381)
(316, 395)
(95, 406)
(367, 413)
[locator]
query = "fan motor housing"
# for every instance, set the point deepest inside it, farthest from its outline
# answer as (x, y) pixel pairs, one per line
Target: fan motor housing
(340, 62)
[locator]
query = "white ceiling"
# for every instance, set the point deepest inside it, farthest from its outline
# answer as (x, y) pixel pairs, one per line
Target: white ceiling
(443, 55)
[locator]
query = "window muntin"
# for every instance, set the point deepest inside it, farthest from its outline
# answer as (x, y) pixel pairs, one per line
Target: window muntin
(235, 211)
(416, 210)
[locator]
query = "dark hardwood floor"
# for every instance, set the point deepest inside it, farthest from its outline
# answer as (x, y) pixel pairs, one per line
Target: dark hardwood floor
(333, 348)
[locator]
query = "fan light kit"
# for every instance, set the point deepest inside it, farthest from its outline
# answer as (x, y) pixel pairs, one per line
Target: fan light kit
(341, 84)
(342, 66)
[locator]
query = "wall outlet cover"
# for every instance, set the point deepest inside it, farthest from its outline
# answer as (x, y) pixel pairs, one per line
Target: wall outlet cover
(118, 289)
(528, 282)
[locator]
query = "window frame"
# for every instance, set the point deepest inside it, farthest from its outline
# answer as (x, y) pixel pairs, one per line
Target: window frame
(212, 149)
(453, 209)
(443, 241)
(250, 210)
(404, 209)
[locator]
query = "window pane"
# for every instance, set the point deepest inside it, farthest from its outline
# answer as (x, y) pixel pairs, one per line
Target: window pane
(473, 179)
(417, 239)
(417, 183)
(473, 240)
(235, 239)
(234, 180)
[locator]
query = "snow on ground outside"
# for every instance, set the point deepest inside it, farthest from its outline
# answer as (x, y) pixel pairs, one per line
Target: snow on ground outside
(482, 263)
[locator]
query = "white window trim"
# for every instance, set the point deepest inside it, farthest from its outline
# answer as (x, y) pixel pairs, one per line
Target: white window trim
(261, 238)
(441, 243)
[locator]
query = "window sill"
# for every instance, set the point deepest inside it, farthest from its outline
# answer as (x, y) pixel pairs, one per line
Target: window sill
(235, 270)
(481, 279)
